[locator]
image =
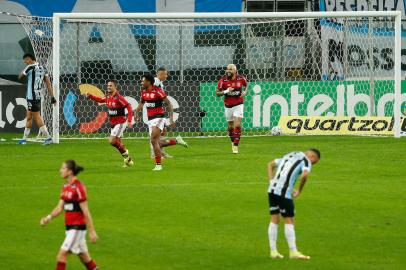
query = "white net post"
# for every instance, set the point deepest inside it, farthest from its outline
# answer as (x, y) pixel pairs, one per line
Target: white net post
(397, 74)
(56, 75)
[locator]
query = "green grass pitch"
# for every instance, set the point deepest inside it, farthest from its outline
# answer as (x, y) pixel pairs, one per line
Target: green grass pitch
(208, 208)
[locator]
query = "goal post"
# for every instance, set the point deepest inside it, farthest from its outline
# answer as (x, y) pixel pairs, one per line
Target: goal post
(283, 55)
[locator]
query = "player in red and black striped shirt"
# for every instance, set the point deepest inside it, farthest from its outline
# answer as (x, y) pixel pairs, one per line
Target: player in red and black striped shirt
(119, 121)
(73, 200)
(154, 97)
(231, 87)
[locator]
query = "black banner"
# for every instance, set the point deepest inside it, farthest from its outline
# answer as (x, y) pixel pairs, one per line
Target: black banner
(79, 115)
(13, 108)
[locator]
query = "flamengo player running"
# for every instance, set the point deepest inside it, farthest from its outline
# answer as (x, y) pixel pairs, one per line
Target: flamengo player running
(154, 97)
(231, 87)
(161, 75)
(281, 194)
(37, 75)
(117, 104)
(77, 218)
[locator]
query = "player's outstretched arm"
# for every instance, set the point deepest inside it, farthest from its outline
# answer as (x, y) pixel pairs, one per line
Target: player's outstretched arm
(50, 89)
(97, 99)
(170, 109)
(303, 179)
(271, 165)
(89, 221)
(55, 212)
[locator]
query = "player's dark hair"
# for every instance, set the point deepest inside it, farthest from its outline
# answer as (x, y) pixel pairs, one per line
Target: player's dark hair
(149, 78)
(73, 166)
(29, 55)
(316, 151)
(161, 69)
(114, 81)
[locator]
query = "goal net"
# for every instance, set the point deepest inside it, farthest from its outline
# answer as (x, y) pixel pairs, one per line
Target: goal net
(304, 70)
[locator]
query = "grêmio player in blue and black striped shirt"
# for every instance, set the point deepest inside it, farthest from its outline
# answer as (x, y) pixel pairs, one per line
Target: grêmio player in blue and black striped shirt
(281, 193)
(37, 76)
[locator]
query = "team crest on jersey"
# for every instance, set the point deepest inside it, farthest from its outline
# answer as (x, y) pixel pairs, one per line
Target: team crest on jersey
(68, 194)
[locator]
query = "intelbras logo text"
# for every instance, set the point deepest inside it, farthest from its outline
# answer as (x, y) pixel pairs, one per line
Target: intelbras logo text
(324, 125)
(271, 99)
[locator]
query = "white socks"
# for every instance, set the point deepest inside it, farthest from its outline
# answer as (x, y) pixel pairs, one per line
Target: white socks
(290, 236)
(273, 235)
(26, 133)
(44, 131)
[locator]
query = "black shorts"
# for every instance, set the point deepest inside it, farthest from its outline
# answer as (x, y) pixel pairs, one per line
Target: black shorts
(281, 205)
(34, 105)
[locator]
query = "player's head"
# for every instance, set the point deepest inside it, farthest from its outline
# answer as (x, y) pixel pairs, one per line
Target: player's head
(112, 86)
(147, 81)
(28, 58)
(231, 70)
(162, 73)
(313, 155)
(70, 168)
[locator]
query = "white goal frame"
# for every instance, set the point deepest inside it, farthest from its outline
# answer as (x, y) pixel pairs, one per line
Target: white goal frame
(57, 17)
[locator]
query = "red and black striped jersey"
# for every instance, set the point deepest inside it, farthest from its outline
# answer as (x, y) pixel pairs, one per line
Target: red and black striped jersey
(116, 105)
(153, 99)
(73, 193)
(233, 98)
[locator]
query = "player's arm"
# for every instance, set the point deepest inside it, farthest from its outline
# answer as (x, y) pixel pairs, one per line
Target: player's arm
(55, 212)
(23, 73)
(220, 92)
(271, 166)
(138, 109)
(170, 109)
(50, 89)
(125, 103)
(97, 99)
(303, 179)
(245, 92)
(89, 221)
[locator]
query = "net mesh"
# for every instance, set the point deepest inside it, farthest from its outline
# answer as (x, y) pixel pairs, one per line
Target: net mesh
(39, 31)
(307, 67)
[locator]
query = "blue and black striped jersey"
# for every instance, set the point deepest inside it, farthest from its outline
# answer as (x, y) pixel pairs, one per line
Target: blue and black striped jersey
(289, 168)
(35, 80)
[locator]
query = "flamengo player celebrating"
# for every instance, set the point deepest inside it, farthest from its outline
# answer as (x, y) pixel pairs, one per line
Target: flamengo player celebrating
(77, 218)
(154, 97)
(231, 87)
(117, 104)
(161, 76)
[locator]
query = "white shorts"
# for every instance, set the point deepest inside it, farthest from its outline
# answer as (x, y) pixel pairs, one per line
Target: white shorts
(75, 241)
(118, 130)
(236, 111)
(157, 122)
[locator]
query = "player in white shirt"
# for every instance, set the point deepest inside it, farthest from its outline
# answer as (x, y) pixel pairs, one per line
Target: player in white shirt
(281, 193)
